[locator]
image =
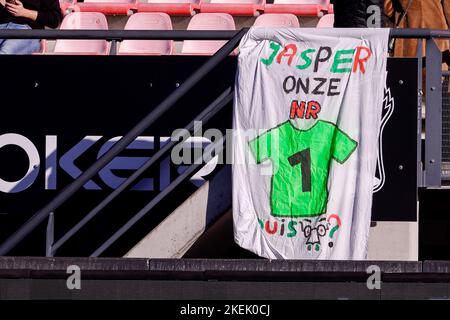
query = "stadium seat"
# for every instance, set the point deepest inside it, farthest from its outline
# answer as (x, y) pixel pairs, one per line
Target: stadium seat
(279, 20)
(327, 21)
(147, 21)
(83, 20)
(234, 7)
(172, 7)
(207, 21)
(107, 6)
(314, 8)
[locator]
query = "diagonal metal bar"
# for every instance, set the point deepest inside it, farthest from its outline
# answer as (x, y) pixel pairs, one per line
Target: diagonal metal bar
(141, 213)
(205, 115)
(164, 106)
(50, 235)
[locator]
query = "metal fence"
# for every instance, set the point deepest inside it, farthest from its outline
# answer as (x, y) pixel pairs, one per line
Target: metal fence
(429, 173)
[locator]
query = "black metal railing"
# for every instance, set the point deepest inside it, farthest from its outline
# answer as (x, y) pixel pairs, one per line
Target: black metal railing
(164, 106)
(433, 120)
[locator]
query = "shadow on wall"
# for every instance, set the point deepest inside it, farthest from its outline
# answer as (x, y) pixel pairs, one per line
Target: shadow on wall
(218, 242)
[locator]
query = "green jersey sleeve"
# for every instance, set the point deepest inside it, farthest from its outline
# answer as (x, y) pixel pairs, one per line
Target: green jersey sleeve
(261, 146)
(342, 146)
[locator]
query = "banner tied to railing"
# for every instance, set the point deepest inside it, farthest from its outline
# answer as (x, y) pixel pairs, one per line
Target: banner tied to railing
(307, 114)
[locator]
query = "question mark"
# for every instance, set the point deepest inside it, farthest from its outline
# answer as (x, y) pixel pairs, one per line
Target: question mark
(335, 228)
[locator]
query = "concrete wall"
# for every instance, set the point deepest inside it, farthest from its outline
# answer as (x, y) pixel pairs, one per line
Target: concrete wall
(46, 278)
(173, 237)
(394, 240)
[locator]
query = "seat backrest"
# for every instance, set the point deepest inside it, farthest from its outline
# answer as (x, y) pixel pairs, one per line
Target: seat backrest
(327, 21)
(207, 21)
(147, 21)
(83, 20)
(277, 20)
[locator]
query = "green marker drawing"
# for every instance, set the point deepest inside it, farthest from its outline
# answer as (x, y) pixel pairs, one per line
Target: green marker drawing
(301, 160)
(335, 228)
(261, 224)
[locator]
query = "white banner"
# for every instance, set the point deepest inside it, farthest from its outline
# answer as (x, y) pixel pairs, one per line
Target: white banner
(306, 117)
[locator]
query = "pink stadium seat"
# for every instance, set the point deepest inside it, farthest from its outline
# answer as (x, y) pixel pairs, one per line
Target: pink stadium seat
(107, 6)
(327, 21)
(207, 21)
(83, 20)
(172, 7)
(234, 7)
(147, 21)
(279, 20)
(299, 7)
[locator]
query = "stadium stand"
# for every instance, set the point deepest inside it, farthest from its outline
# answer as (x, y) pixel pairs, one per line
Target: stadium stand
(147, 21)
(207, 21)
(163, 21)
(311, 8)
(326, 21)
(171, 250)
(83, 20)
(286, 20)
(234, 7)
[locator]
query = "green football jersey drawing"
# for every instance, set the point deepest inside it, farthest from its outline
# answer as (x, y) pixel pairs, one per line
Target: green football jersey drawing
(301, 162)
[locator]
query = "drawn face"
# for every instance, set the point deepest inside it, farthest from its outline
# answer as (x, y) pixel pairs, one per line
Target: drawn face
(313, 233)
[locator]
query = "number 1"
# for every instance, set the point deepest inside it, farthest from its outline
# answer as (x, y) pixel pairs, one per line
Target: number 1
(304, 158)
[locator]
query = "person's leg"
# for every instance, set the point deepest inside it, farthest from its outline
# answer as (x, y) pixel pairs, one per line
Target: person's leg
(3, 26)
(19, 46)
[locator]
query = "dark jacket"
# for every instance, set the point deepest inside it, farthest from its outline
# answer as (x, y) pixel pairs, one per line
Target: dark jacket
(49, 14)
(353, 13)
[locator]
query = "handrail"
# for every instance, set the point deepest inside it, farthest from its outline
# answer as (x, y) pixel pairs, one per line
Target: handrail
(118, 147)
(119, 35)
(419, 33)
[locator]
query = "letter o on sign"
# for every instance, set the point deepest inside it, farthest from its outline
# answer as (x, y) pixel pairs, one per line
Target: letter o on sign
(33, 168)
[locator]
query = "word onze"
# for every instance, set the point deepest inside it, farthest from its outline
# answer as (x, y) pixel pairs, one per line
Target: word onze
(341, 61)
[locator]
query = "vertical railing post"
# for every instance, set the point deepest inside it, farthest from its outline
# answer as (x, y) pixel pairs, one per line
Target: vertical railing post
(420, 165)
(113, 48)
(433, 120)
(50, 236)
